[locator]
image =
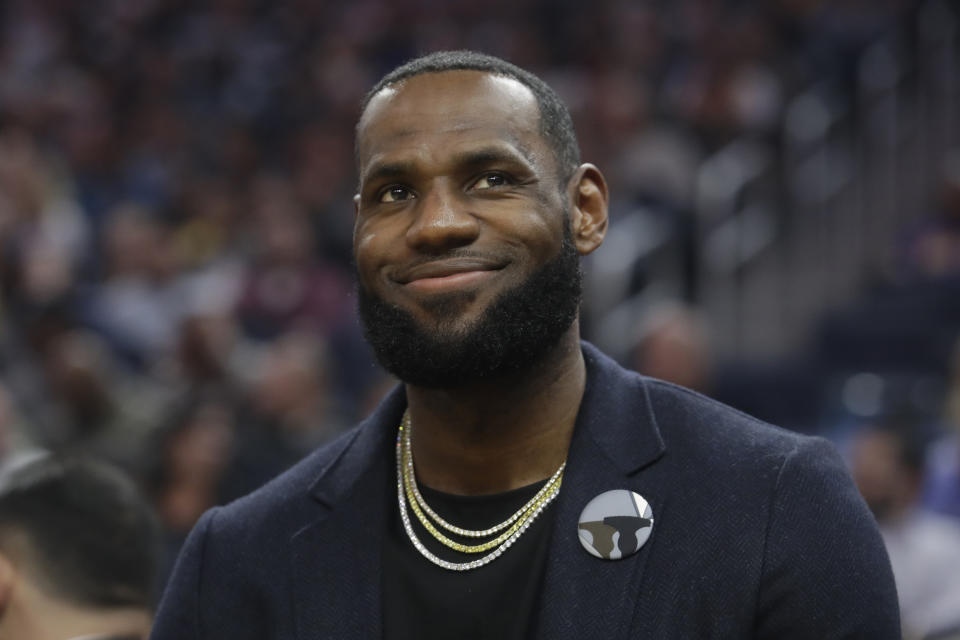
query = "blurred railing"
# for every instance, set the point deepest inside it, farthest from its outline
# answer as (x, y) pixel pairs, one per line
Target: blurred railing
(785, 233)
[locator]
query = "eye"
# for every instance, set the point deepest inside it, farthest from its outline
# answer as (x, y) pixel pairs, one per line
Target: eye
(395, 194)
(490, 180)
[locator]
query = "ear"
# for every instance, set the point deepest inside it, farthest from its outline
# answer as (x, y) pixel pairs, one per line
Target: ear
(356, 204)
(588, 211)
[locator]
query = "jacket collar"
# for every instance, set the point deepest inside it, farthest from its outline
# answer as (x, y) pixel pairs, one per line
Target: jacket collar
(615, 415)
(361, 453)
(615, 438)
(337, 557)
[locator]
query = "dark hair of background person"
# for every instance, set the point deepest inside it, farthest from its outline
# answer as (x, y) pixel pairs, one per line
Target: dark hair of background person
(911, 446)
(556, 125)
(89, 536)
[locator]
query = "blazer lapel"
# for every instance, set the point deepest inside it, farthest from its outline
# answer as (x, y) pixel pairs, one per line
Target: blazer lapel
(337, 555)
(614, 439)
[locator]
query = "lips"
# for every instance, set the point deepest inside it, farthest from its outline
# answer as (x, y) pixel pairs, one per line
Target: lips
(444, 275)
(445, 268)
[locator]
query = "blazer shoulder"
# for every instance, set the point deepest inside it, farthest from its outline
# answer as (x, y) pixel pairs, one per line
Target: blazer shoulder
(687, 417)
(286, 497)
(636, 419)
(296, 497)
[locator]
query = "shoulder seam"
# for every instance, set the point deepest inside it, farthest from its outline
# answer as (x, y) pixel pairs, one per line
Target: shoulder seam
(207, 526)
(771, 507)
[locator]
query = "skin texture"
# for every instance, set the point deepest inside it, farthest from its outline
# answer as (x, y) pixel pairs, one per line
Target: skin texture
(459, 201)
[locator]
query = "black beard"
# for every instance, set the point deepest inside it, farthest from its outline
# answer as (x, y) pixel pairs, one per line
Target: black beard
(513, 334)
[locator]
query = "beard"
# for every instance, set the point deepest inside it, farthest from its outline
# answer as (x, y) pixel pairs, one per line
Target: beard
(510, 336)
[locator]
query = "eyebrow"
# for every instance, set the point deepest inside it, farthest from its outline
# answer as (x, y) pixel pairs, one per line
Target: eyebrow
(472, 159)
(387, 171)
(485, 156)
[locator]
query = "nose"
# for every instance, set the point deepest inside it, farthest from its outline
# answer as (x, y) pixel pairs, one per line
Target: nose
(443, 221)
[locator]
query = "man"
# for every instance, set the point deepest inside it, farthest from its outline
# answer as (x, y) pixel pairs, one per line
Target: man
(888, 463)
(79, 550)
(488, 514)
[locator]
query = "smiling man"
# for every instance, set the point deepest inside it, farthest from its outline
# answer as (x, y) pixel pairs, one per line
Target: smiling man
(519, 484)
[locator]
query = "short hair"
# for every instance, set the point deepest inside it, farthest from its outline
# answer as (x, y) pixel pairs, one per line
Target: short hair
(556, 125)
(903, 429)
(83, 531)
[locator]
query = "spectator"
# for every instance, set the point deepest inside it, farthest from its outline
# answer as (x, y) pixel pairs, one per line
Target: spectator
(942, 486)
(924, 548)
(191, 456)
(139, 305)
(286, 287)
(78, 553)
(674, 345)
(931, 249)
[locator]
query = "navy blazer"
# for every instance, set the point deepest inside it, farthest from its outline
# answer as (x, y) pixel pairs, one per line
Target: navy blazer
(758, 533)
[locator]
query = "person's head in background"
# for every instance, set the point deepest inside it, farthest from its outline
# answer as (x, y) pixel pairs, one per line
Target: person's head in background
(78, 552)
(887, 463)
(673, 344)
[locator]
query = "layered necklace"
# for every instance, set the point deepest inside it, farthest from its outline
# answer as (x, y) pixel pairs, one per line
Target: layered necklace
(500, 537)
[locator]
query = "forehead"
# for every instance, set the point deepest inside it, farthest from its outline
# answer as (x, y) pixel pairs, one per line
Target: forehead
(438, 109)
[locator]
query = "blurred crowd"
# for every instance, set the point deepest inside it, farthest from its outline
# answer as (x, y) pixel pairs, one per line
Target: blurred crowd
(175, 200)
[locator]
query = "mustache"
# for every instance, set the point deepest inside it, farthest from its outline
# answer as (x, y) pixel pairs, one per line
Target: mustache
(463, 253)
(448, 263)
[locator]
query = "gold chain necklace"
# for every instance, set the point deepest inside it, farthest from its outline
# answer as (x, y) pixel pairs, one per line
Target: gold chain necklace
(409, 481)
(515, 525)
(417, 497)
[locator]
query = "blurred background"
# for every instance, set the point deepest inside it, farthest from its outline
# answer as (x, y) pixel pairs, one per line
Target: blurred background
(175, 221)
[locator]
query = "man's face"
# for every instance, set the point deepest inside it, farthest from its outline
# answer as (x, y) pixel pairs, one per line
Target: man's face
(461, 226)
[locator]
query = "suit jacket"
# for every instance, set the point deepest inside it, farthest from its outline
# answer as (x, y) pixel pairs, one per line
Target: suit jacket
(758, 533)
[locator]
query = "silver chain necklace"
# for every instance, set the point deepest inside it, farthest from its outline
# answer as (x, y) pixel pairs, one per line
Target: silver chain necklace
(535, 507)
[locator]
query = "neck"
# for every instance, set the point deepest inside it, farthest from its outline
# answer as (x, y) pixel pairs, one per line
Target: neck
(501, 434)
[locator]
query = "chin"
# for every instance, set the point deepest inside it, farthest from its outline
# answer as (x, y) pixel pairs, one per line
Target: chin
(513, 332)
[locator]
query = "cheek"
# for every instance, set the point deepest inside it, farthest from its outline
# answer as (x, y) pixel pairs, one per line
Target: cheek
(545, 226)
(363, 241)
(543, 235)
(370, 250)
(377, 234)
(362, 250)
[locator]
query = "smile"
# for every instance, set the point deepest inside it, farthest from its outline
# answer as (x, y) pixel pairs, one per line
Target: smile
(447, 275)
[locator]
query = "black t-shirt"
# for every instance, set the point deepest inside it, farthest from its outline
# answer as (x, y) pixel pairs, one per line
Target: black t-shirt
(497, 601)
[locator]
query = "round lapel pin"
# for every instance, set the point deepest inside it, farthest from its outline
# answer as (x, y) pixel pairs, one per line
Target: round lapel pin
(615, 524)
